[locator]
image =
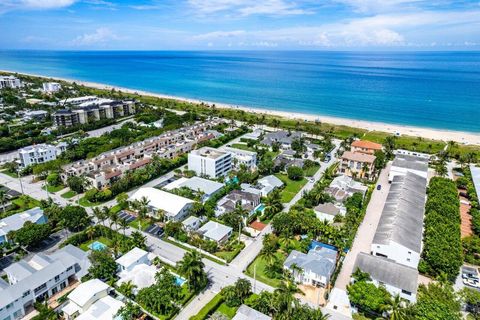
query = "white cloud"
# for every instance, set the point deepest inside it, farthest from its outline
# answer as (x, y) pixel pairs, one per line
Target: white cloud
(219, 35)
(100, 36)
(248, 7)
(9, 5)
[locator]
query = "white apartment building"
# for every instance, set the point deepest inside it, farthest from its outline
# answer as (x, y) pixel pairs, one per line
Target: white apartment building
(404, 163)
(398, 279)
(210, 162)
(400, 229)
(10, 82)
(51, 87)
(39, 153)
(39, 278)
(243, 157)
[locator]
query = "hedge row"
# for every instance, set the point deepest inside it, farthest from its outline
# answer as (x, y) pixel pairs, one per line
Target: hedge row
(442, 252)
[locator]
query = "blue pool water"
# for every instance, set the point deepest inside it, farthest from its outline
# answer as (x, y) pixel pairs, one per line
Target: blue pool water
(426, 89)
(179, 281)
(97, 246)
(260, 208)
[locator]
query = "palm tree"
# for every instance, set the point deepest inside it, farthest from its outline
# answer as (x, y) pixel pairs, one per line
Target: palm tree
(114, 219)
(127, 288)
(285, 297)
(157, 262)
(191, 266)
(395, 308)
(161, 215)
(123, 225)
(269, 255)
(143, 207)
(365, 170)
(90, 232)
(3, 197)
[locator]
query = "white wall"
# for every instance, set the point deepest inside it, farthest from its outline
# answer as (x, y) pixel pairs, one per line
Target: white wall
(398, 253)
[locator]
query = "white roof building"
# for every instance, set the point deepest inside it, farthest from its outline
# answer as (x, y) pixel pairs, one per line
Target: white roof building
(175, 207)
(197, 184)
(404, 163)
(133, 258)
(247, 313)
(215, 231)
(90, 300)
(141, 275)
(192, 223)
(16, 221)
(51, 87)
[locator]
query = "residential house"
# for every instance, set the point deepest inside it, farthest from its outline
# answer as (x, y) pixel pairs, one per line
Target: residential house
(10, 82)
(175, 207)
(264, 186)
(404, 163)
(16, 221)
(51, 87)
(91, 300)
(215, 231)
(192, 223)
(400, 229)
(39, 153)
(357, 165)
(397, 278)
(247, 313)
(328, 211)
(36, 115)
(314, 268)
(283, 138)
(210, 162)
(205, 187)
(39, 278)
(343, 187)
(131, 259)
(284, 162)
(364, 146)
(248, 201)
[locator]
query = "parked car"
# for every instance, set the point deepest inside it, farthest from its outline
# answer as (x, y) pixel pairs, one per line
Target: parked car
(379, 187)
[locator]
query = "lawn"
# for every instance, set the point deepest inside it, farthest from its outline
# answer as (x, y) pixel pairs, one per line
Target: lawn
(10, 173)
(54, 189)
(260, 270)
(209, 308)
(291, 187)
(69, 194)
(309, 172)
(226, 310)
(230, 255)
(190, 249)
(407, 142)
(105, 241)
(85, 203)
(144, 223)
(242, 146)
(21, 204)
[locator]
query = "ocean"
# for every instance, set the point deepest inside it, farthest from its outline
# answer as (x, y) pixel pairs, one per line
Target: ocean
(424, 89)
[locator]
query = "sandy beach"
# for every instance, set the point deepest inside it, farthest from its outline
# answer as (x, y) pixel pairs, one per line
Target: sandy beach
(428, 133)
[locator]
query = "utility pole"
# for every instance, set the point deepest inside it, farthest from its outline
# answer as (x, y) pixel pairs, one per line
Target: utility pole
(255, 277)
(20, 179)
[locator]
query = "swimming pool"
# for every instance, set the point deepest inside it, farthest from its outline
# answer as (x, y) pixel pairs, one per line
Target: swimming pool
(260, 207)
(97, 246)
(179, 281)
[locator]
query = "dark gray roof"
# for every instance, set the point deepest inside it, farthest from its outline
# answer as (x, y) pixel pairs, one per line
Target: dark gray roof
(327, 208)
(402, 216)
(281, 136)
(411, 162)
(388, 271)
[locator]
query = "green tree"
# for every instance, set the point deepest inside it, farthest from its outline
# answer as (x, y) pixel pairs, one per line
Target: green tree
(32, 234)
(273, 204)
(436, 302)
(471, 299)
(139, 240)
(75, 218)
(368, 297)
(129, 311)
(77, 183)
(127, 288)
(3, 197)
(103, 265)
(295, 173)
(192, 267)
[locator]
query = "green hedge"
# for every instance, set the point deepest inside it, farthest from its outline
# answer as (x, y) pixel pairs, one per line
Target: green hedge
(442, 252)
(209, 308)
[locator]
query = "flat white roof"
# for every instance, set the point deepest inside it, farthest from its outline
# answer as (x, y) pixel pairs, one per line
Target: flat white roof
(105, 308)
(131, 257)
(159, 199)
(86, 290)
(214, 230)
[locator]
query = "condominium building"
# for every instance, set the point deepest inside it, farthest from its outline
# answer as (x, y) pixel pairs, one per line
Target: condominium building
(109, 166)
(90, 109)
(210, 162)
(243, 157)
(9, 82)
(51, 87)
(36, 154)
(39, 278)
(364, 146)
(357, 165)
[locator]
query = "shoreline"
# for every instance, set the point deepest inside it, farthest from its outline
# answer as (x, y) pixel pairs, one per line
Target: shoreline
(467, 138)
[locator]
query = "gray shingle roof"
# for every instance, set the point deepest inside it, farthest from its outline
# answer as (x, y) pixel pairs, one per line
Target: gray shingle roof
(320, 261)
(411, 162)
(247, 313)
(402, 216)
(388, 271)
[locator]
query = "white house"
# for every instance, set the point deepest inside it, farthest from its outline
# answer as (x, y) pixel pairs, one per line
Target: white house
(215, 231)
(16, 221)
(192, 223)
(243, 157)
(247, 313)
(175, 207)
(141, 276)
(404, 163)
(207, 187)
(264, 186)
(35, 154)
(328, 211)
(210, 162)
(400, 229)
(51, 87)
(40, 277)
(10, 82)
(317, 266)
(398, 279)
(131, 259)
(91, 300)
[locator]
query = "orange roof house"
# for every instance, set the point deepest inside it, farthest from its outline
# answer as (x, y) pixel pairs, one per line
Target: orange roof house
(365, 146)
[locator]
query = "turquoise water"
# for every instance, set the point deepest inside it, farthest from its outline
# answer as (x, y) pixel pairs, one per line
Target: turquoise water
(427, 89)
(179, 281)
(97, 246)
(260, 207)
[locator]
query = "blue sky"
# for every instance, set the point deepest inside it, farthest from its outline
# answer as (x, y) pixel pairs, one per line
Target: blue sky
(240, 24)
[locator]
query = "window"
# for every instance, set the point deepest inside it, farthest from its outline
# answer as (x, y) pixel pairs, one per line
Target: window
(408, 293)
(38, 289)
(408, 259)
(69, 268)
(57, 278)
(26, 293)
